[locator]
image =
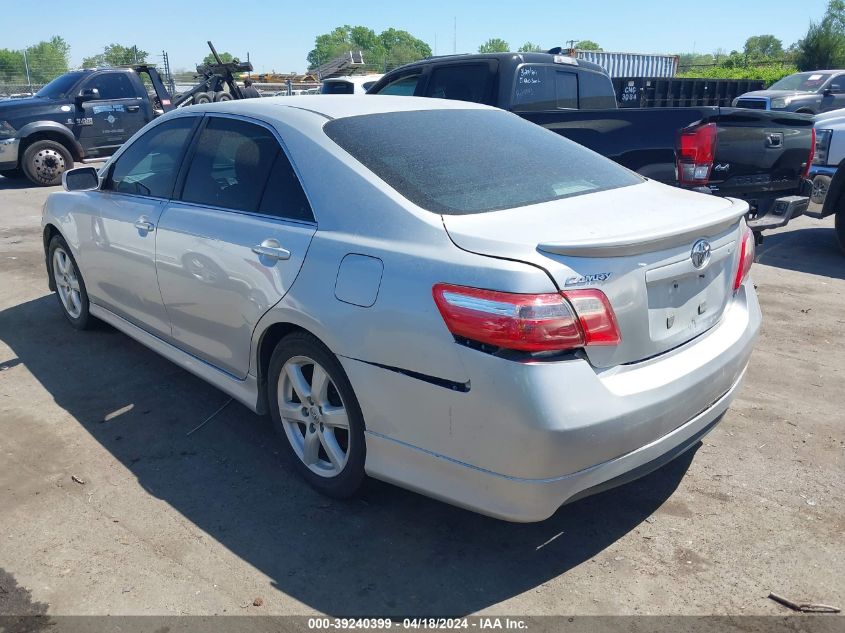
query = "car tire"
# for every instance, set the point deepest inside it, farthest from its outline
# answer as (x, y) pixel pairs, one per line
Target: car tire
(840, 229)
(70, 287)
(323, 430)
(202, 97)
(44, 162)
(821, 185)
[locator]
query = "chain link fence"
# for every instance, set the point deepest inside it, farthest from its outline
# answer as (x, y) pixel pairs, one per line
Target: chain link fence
(23, 73)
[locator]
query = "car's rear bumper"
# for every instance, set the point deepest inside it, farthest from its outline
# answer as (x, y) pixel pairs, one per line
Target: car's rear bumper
(527, 437)
(527, 500)
(9, 153)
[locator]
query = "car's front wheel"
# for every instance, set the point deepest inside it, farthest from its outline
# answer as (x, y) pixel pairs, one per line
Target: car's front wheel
(70, 287)
(317, 415)
(840, 229)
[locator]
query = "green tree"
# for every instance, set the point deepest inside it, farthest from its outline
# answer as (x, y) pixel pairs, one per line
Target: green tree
(763, 47)
(587, 45)
(225, 57)
(47, 59)
(116, 55)
(824, 44)
(11, 66)
(392, 45)
(494, 45)
(530, 47)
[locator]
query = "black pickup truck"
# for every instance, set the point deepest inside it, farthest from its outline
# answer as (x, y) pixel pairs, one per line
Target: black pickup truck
(761, 157)
(87, 114)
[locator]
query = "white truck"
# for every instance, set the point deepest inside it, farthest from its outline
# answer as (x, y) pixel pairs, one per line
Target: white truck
(828, 170)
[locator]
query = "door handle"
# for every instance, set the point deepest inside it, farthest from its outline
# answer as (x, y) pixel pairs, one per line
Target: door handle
(272, 249)
(142, 224)
(133, 108)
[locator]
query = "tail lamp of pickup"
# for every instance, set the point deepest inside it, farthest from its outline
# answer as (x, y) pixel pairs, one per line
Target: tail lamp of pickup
(695, 153)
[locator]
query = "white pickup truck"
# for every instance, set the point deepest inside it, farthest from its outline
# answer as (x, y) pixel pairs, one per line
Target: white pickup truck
(828, 170)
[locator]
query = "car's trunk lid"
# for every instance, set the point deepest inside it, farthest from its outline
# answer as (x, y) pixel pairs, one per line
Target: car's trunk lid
(633, 243)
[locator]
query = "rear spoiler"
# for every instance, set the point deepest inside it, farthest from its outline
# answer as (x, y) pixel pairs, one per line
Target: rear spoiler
(637, 243)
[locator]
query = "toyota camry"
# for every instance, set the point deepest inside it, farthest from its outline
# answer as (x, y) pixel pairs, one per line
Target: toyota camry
(432, 293)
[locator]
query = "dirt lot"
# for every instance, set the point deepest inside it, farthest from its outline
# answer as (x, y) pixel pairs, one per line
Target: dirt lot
(171, 524)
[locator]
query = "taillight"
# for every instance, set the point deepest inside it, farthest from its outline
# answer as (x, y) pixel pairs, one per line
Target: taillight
(746, 258)
(528, 322)
(812, 154)
(695, 154)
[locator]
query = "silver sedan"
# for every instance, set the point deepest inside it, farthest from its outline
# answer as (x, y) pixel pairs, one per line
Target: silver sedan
(432, 293)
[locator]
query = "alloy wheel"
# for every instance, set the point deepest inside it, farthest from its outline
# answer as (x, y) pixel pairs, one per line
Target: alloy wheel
(67, 283)
(314, 416)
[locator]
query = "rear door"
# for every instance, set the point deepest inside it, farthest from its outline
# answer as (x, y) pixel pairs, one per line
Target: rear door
(106, 122)
(473, 82)
(231, 244)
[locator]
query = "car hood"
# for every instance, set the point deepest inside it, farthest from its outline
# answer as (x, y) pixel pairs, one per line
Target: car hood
(772, 94)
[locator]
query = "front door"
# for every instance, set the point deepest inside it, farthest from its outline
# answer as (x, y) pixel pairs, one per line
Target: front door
(106, 122)
(231, 246)
(121, 272)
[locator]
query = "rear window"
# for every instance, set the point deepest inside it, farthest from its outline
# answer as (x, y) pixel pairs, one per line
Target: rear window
(460, 162)
(338, 88)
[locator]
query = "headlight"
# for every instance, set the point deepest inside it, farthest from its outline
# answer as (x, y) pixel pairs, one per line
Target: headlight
(780, 103)
(822, 146)
(6, 129)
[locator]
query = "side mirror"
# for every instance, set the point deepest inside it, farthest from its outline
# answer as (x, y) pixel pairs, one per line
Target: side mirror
(88, 94)
(81, 179)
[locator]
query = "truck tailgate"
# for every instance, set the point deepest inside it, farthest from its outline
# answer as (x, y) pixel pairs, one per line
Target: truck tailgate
(760, 150)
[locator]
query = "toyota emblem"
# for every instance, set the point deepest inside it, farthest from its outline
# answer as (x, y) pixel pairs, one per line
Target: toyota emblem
(700, 254)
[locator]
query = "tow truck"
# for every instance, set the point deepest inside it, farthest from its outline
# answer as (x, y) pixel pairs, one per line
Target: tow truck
(85, 115)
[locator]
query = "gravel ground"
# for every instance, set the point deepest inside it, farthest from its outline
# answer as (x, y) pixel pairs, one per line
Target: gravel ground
(166, 523)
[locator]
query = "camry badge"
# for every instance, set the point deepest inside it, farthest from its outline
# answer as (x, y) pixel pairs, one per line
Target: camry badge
(700, 254)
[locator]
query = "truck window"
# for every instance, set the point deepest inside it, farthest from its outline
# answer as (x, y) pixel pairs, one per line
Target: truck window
(402, 87)
(595, 91)
(542, 87)
(466, 82)
(112, 86)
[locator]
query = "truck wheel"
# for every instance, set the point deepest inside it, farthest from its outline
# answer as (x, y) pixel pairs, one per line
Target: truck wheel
(202, 97)
(44, 162)
(222, 96)
(840, 229)
(821, 185)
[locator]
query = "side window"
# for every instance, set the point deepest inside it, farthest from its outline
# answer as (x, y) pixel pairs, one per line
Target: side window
(402, 87)
(148, 167)
(468, 82)
(284, 196)
(231, 164)
(837, 84)
(112, 86)
(595, 91)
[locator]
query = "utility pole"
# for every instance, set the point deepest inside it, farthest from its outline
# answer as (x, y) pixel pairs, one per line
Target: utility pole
(571, 43)
(455, 37)
(26, 66)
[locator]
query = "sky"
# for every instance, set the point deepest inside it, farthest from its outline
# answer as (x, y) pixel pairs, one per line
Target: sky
(279, 35)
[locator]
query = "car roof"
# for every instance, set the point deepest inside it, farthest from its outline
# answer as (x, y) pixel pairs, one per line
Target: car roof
(333, 106)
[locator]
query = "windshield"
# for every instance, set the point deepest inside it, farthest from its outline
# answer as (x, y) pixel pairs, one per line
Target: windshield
(60, 86)
(802, 82)
(458, 162)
